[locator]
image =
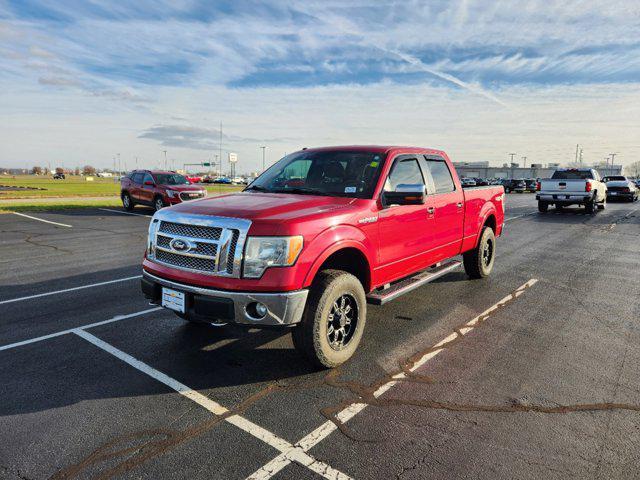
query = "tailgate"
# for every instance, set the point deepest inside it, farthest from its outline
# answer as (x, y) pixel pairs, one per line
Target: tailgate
(563, 186)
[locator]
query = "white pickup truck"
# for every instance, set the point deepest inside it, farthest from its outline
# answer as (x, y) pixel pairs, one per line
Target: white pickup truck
(572, 186)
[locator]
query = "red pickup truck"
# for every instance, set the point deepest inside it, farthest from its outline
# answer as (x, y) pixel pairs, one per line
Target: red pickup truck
(316, 237)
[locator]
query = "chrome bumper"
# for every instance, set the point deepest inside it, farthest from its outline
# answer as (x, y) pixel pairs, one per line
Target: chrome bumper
(564, 197)
(284, 308)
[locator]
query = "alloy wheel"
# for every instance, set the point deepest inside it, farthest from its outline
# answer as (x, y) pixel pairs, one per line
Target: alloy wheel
(342, 322)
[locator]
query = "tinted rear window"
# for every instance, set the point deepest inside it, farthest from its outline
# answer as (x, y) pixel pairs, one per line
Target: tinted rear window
(572, 175)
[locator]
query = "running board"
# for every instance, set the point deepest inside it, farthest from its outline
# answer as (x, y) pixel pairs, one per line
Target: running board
(383, 295)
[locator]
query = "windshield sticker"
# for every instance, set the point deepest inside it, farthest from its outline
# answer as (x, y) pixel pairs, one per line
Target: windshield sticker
(350, 190)
(374, 164)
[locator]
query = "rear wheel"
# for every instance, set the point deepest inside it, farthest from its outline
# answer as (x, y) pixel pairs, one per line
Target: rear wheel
(590, 207)
(603, 205)
(543, 207)
(127, 203)
(478, 262)
(333, 321)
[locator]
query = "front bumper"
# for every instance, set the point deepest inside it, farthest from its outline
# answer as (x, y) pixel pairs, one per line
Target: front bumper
(206, 304)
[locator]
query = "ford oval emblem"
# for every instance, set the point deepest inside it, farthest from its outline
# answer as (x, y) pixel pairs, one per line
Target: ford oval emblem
(179, 245)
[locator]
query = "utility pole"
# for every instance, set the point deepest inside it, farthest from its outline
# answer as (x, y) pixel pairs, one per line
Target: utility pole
(220, 157)
(263, 156)
(524, 159)
(580, 156)
(119, 165)
(577, 147)
(511, 163)
(165, 159)
(613, 156)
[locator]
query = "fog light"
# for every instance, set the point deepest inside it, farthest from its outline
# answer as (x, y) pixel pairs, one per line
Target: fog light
(257, 310)
(261, 309)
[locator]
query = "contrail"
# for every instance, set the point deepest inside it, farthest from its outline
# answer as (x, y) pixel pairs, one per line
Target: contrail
(336, 22)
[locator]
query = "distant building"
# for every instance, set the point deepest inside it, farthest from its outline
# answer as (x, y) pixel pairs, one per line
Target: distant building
(535, 170)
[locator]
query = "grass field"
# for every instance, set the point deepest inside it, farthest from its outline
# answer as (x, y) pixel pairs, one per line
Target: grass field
(73, 192)
(74, 186)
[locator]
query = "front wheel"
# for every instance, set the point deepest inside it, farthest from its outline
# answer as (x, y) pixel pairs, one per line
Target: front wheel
(478, 262)
(158, 204)
(333, 321)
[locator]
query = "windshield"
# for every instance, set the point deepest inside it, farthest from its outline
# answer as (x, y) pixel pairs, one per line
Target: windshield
(572, 174)
(171, 179)
(326, 172)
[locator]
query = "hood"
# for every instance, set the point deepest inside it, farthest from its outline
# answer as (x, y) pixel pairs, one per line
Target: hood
(276, 207)
(184, 188)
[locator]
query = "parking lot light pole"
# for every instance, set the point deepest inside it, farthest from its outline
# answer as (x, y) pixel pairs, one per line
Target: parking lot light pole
(263, 156)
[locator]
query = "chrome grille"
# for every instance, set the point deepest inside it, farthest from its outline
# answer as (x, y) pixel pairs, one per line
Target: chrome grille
(195, 231)
(232, 250)
(202, 248)
(184, 196)
(184, 261)
(200, 243)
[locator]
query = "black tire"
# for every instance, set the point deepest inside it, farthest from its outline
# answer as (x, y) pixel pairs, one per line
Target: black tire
(158, 203)
(590, 207)
(543, 207)
(313, 337)
(603, 205)
(127, 202)
(478, 262)
(559, 207)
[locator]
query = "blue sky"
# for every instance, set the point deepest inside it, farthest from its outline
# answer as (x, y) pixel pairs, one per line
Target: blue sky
(82, 80)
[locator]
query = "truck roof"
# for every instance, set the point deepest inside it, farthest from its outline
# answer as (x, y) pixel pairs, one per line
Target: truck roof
(374, 148)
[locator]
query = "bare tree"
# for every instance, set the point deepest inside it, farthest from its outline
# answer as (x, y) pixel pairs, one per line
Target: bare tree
(59, 170)
(89, 170)
(36, 171)
(633, 169)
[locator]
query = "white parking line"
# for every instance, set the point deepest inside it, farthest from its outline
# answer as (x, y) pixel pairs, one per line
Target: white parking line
(125, 213)
(42, 220)
(293, 453)
(20, 299)
(324, 430)
(117, 318)
(518, 216)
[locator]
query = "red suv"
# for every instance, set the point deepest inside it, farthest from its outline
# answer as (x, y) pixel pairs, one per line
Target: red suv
(157, 189)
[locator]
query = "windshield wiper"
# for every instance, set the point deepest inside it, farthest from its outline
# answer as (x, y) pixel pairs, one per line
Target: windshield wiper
(257, 188)
(301, 191)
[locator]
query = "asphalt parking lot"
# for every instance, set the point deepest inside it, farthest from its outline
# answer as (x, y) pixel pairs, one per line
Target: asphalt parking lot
(531, 373)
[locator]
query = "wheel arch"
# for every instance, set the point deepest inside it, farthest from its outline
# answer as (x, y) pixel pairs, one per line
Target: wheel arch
(347, 256)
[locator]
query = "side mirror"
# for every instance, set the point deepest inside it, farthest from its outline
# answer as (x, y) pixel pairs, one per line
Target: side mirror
(149, 182)
(405, 194)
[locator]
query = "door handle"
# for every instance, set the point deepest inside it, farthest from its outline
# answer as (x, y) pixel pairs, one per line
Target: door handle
(431, 210)
(459, 204)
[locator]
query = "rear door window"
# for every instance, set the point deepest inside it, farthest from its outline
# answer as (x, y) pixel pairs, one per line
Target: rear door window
(137, 178)
(442, 179)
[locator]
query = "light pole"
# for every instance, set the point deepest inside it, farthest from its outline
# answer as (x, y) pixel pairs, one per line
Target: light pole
(263, 156)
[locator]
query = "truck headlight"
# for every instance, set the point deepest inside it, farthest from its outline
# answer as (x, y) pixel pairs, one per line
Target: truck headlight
(263, 252)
